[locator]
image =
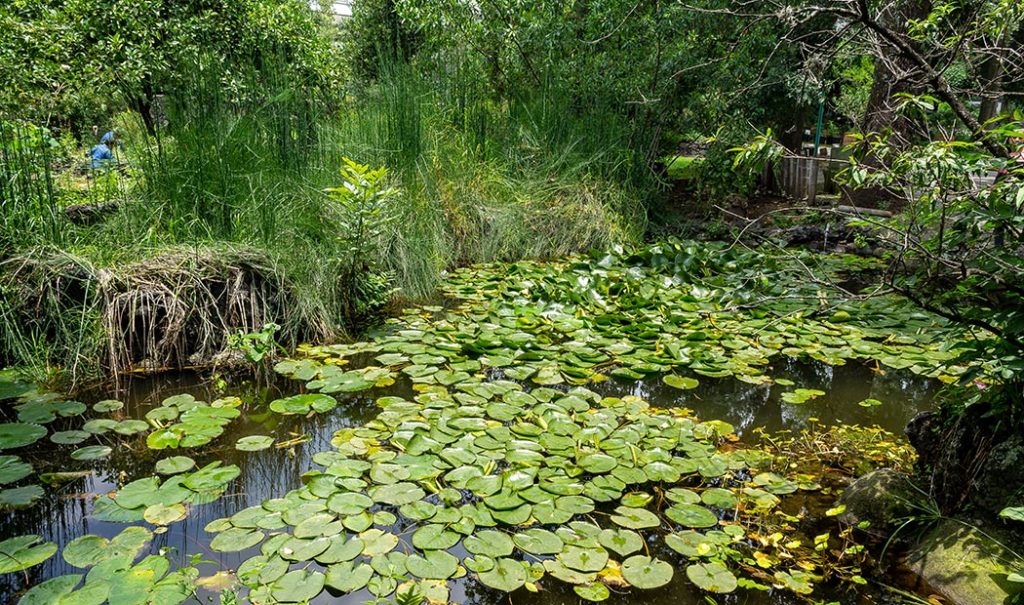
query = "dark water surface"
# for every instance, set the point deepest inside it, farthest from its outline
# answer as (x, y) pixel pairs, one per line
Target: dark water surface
(65, 515)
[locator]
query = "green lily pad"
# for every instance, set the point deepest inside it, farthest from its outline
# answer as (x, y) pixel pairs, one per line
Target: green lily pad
(712, 577)
(69, 437)
(253, 443)
(538, 542)
(107, 405)
(621, 541)
(594, 593)
(23, 552)
(490, 543)
(434, 537)
(20, 497)
(691, 515)
(347, 577)
(507, 575)
(160, 514)
(92, 452)
(297, 586)
(174, 465)
(680, 382)
(646, 573)
(19, 434)
(12, 469)
(583, 559)
(635, 518)
(236, 539)
(432, 565)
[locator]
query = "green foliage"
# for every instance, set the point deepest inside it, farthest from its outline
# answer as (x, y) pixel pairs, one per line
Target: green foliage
(256, 346)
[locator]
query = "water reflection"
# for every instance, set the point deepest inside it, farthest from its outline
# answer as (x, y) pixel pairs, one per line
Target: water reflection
(64, 514)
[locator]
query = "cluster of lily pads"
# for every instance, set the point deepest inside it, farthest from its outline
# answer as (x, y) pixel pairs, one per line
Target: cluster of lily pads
(113, 574)
(629, 317)
(532, 485)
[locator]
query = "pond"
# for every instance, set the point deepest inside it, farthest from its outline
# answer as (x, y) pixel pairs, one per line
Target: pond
(544, 370)
(272, 472)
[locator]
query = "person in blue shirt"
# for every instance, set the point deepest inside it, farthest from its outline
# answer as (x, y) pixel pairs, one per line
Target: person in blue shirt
(103, 154)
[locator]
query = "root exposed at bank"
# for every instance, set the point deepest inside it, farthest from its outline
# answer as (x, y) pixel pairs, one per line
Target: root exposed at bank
(170, 311)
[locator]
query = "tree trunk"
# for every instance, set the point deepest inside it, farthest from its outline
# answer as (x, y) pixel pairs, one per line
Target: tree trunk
(991, 77)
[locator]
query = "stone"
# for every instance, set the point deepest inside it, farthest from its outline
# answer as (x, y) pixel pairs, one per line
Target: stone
(963, 564)
(882, 498)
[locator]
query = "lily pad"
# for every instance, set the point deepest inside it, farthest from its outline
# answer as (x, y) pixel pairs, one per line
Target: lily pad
(712, 577)
(621, 541)
(23, 552)
(174, 465)
(20, 497)
(19, 434)
(646, 573)
(253, 443)
(12, 469)
(507, 575)
(432, 565)
(92, 452)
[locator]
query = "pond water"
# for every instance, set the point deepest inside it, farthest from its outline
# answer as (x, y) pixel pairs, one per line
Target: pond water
(65, 515)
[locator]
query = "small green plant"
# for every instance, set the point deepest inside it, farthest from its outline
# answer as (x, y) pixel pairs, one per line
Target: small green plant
(364, 212)
(257, 346)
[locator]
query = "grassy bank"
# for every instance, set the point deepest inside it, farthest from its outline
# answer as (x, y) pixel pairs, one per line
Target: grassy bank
(230, 194)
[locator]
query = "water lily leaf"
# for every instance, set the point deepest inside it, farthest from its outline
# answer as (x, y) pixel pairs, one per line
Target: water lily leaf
(538, 542)
(718, 497)
(621, 541)
(174, 465)
(434, 537)
(712, 577)
(253, 443)
(141, 492)
(597, 463)
(691, 515)
(432, 565)
(507, 575)
(58, 591)
(397, 494)
(566, 574)
(20, 497)
(349, 503)
(341, 549)
(23, 552)
(160, 514)
(680, 382)
(304, 404)
(799, 582)
(12, 469)
(19, 434)
(106, 509)
(92, 452)
(346, 577)
(131, 427)
(107, 405)
(646, 573)
(90, 550)
(491, 543)
(298, 586)
(583, 559)
(69, 437)
(801, 395)
(377, 542)
(592, 592)
(303, 549)
(635, 518)
(236, 539)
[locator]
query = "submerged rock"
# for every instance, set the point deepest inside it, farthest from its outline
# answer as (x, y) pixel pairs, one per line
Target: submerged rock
(962, 564)
(881, 498)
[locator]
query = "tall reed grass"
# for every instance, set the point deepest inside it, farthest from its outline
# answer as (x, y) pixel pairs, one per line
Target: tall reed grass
(542, 175)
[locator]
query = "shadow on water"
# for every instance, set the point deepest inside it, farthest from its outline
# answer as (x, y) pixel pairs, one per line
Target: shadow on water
(65, 514)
